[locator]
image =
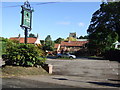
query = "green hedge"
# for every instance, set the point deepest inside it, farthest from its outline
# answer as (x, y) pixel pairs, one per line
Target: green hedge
(2, 46)
(81, 52)
(113, 55)
(23, 54)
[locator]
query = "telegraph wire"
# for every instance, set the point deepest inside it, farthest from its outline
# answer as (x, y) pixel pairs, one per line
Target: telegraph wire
(33, 4)
(44, 3)
(30, 4)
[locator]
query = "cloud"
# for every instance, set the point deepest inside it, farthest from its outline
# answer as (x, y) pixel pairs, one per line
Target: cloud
(64, 23)
(80, 24)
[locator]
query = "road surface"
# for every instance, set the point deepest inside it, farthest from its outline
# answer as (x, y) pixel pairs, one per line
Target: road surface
(99, 72)
(25, 83)
(85, 68)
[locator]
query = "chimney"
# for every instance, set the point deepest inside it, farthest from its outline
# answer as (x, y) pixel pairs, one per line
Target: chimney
(37, 35)
(19, 36)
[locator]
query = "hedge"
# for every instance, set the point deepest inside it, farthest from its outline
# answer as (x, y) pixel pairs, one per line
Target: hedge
(23, 54)
(113, 54)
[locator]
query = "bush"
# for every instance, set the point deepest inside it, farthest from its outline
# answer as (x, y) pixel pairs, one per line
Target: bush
(2, 45)
(112, 54)
(23, 54)
(82, 52)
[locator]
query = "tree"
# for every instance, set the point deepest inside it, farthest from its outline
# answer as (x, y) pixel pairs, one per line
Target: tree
(48, 38)
(32, 35)
(83, 37)
(49, 44)
(59, 40)
(104, 28)
(42, 42)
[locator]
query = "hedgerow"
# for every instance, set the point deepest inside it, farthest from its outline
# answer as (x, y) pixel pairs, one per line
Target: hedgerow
(23, 54)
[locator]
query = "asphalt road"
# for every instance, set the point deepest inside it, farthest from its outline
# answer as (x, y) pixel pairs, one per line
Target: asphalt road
(25, 83)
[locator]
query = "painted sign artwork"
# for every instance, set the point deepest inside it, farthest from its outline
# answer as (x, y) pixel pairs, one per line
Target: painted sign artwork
(27, 19)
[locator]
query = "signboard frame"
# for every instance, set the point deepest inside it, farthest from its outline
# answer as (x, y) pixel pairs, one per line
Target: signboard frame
(24, 21)
(26, 18)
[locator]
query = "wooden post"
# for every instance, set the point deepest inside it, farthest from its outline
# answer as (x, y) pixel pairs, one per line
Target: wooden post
(26, 33)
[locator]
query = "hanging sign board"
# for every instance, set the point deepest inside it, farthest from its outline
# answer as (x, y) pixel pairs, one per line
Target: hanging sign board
(26, 18)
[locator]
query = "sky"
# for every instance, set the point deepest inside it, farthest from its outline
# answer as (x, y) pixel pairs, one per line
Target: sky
(55, 19)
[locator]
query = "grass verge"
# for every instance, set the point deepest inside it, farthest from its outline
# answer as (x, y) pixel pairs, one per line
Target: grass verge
(9, 71)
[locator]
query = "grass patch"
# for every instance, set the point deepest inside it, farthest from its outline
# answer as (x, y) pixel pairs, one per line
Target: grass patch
(22, 71)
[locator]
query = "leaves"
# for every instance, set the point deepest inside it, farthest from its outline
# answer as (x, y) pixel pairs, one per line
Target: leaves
(59, 40)
(104, 29)
(49, 44)
(32, 35)
(22, 54)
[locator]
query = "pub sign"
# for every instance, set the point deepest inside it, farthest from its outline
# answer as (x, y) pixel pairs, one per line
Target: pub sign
(26, 17)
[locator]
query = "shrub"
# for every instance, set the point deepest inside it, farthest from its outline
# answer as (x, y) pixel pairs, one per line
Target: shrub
(81, 52)
(23, 54)
(2, 45)
(112, 54)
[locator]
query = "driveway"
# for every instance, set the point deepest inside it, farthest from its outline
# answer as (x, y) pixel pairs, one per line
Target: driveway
(86, 68)
(77, 73)
(82, 73)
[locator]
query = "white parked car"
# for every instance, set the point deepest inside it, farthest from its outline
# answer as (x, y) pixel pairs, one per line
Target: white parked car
(66, 55)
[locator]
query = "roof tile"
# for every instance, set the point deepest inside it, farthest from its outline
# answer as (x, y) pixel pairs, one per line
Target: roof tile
(73, 43)
(21, 39)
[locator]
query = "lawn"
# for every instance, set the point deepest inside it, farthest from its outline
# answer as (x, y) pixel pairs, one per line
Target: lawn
(9, 71)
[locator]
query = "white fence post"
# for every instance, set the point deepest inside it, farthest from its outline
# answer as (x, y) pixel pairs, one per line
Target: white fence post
(50, 68)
